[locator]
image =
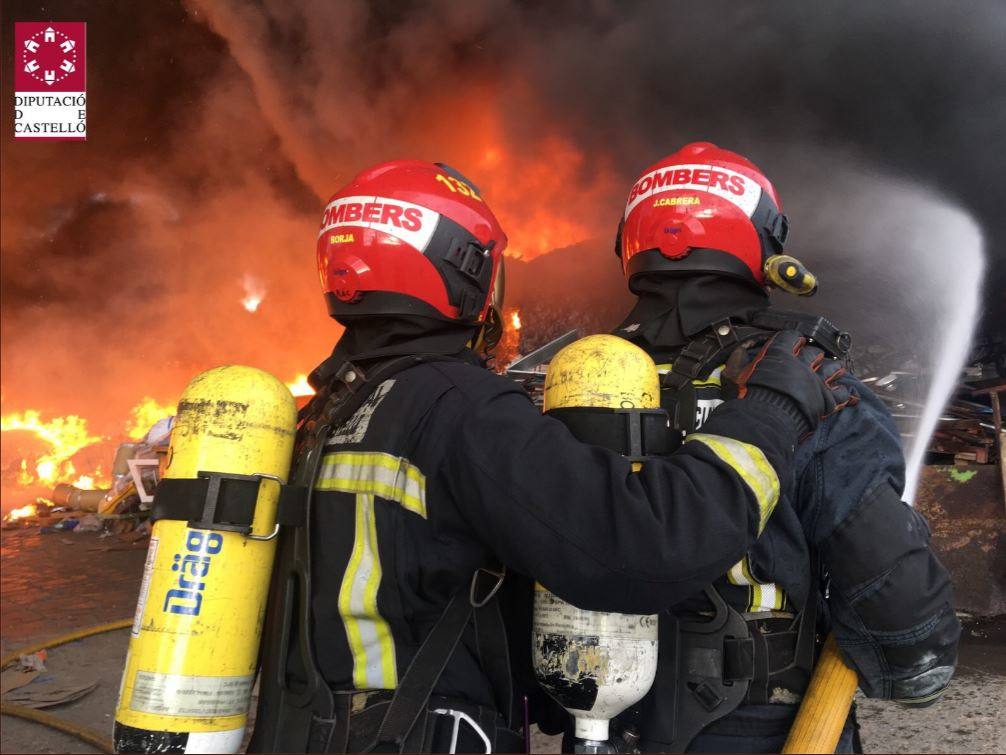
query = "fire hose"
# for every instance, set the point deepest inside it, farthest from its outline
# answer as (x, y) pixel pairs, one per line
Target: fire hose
(94, 738)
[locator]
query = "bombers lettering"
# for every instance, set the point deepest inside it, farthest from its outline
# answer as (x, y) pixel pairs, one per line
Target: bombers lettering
(664, 179)
(410, 223)
(734, 187)
(384, 213)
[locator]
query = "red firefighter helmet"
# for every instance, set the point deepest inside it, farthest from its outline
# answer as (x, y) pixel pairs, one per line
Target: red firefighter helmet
(409, 237)
(702, 209)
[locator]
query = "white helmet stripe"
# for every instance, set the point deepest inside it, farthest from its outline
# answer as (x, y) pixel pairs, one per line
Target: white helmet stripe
(722, 182)
(407, 222)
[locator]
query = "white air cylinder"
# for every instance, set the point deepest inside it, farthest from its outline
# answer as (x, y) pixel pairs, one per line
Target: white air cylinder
(595, 665)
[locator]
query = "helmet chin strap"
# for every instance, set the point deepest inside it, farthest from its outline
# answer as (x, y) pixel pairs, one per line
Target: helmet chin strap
(492, 326)
(489, 334)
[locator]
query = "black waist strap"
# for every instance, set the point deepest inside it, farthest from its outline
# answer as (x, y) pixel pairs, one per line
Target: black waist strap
(213, 500)
(634, 433)
(739, 655)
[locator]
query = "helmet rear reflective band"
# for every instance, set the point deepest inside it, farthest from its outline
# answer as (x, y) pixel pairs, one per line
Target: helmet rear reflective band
(407, 222)
(734, 187)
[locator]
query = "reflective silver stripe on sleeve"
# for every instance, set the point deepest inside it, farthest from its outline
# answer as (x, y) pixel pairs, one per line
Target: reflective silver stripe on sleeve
(751, 465)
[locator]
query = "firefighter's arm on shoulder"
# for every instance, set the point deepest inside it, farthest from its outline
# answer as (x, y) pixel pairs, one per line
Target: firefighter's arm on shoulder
(891, 600)
(576, 518)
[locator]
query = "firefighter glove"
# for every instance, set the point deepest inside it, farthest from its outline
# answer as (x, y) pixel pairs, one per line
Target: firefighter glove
(791, 374)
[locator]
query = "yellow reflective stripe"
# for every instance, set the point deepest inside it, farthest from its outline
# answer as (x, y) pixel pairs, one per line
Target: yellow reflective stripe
(766, 597)
(751, 465)
(757, 596)
(389, 672)
(346, 598)
(375, 473)
(714, 378)
(368, 633)
(762, 596)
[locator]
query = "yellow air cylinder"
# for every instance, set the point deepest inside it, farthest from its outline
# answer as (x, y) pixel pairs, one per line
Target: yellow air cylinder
(592, 663)
(825, 706)
(194, 644)
(602, 371)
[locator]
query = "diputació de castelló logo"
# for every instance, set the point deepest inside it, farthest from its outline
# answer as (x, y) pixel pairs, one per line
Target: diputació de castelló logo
(50, 80)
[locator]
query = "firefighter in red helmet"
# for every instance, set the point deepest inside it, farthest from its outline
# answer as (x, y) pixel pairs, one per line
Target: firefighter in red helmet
(700, 239)
(428, 491)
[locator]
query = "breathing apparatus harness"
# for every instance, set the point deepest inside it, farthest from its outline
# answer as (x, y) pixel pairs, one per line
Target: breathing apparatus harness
(710, 349)
(300, 712)
(719, 661)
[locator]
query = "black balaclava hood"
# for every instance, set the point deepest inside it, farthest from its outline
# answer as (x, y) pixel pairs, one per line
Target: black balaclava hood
(368, 338)
(672, 308)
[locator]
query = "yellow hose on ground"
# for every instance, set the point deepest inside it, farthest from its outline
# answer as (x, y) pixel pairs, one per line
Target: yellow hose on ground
(84, 733)
(62, 640)
(825, 707)
(92, 737)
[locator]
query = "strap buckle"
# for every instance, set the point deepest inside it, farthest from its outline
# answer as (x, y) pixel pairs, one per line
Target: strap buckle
(726, 335)
(472, 592)
(647, 431)
(469, 257)
(213, 489)
(351, 376)
(460, 715)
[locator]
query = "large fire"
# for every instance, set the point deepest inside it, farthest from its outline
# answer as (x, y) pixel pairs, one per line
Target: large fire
(551, 200)
(548, 203)
(64, 436)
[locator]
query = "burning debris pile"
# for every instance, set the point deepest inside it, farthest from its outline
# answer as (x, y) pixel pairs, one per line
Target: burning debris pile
(118, 503)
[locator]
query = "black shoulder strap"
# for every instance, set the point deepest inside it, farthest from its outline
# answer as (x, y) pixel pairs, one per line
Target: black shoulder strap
(706, 352)
(820, 330)
(710, 348)
(414, 690)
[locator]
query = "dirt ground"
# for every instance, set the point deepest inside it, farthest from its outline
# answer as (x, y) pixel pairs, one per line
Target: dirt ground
(95, 586)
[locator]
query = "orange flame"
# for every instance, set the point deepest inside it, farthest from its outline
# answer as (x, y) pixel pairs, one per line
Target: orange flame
(508, 347)
(86, 481)
(30, 510)
(145, 415)
(251, 303)
(552, 201)
(254, 292)
(300, 387)
(65, 437)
